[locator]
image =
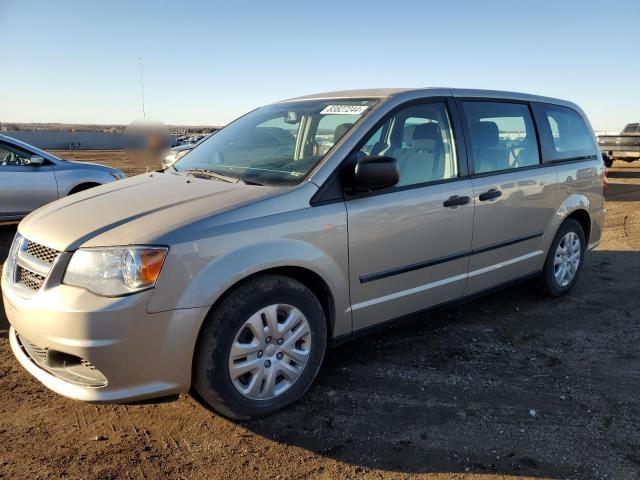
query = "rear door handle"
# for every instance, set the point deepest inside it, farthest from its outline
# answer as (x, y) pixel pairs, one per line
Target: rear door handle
(493, 193)
(455, 200)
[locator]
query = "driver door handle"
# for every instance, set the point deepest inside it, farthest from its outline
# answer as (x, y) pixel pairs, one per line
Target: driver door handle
(455, 201)
(489, 195)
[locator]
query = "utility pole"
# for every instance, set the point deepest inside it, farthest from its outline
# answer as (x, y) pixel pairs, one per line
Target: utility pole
(144, 115)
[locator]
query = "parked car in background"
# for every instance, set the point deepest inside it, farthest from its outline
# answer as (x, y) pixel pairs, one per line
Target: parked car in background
(30, 178)
(625, 146)
(235, 268)
(179, 151)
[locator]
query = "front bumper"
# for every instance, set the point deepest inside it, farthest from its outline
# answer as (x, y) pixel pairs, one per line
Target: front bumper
(141, 355)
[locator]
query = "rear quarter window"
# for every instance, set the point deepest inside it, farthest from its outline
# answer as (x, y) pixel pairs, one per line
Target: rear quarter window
(563, 133)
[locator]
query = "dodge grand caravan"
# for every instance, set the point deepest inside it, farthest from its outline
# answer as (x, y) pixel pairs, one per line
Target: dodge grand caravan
(301, 224)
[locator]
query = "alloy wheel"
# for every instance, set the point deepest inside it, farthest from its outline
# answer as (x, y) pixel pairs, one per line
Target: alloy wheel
(567, 259)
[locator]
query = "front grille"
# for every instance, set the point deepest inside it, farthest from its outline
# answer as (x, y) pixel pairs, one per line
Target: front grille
(30, 279)
(32, 264)
(42, 253)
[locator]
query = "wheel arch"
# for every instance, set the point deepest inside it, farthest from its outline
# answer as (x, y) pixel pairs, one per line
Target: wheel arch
(584, 219)
(310, 279)
(576, 206)
(307, 277)
(80, 187)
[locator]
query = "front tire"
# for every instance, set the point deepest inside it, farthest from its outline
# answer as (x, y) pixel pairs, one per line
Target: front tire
(261, 348)
(564, 260)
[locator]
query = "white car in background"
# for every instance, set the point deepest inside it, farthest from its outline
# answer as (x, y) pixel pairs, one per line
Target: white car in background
(179, 151)
(31, 178)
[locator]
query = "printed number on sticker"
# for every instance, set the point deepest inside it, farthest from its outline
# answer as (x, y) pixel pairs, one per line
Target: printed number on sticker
(344, 109)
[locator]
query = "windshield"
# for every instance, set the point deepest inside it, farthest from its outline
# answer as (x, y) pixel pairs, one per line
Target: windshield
(277, 144)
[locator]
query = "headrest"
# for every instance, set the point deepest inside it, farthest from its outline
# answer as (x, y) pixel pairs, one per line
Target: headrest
(408, 134)
(426, 135)
(340, 131)
(485, 134)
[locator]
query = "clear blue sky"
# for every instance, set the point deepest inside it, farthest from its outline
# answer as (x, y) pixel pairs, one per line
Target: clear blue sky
(207, 62)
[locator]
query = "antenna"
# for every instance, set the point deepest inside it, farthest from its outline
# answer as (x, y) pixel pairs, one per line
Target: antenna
(144, 115)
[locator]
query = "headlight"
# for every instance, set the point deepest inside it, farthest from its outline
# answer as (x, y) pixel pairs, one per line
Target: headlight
(113, 272)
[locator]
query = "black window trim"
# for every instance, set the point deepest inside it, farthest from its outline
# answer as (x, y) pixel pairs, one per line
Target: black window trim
(467, 135)
(328, 191)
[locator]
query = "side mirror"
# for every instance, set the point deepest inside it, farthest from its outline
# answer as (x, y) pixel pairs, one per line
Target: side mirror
(375, 173)
(36, 161)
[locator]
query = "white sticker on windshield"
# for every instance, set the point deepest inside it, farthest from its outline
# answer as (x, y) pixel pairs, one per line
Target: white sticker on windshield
(344, 109)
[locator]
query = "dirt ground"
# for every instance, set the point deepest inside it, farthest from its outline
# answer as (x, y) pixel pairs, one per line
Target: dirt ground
(512, 385)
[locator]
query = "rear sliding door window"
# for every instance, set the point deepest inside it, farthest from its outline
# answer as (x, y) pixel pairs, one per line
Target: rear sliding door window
(565, 135)
(502, 136)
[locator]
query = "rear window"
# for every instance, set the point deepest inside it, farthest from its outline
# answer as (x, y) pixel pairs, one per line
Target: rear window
(631, 128)
(567, 135)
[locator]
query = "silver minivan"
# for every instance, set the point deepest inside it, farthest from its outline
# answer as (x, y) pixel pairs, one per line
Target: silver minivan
(300, 225)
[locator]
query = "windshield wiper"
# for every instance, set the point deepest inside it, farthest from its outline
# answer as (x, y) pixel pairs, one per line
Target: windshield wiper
(210, 174)
(251, 182)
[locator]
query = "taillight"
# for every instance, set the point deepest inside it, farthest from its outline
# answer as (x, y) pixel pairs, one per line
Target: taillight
(605, 182)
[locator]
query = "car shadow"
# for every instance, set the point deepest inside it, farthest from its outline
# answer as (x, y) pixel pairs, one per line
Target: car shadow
(511, 383)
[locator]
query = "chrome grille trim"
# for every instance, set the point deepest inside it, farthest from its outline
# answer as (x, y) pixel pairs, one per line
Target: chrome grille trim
(32, 265)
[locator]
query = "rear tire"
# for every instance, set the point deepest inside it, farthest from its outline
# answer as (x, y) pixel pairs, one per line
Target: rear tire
(282, 357)
(564, 260)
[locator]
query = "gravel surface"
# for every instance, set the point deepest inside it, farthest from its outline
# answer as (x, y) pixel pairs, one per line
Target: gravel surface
(512, 385)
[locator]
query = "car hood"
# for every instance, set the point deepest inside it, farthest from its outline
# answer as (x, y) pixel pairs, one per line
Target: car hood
(138, 210)
(88, 165)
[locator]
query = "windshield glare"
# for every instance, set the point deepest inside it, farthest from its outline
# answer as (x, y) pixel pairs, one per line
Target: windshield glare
(277, 144)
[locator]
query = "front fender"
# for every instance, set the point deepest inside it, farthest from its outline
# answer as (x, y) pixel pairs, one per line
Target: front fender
(197, 273)
(69, 179)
